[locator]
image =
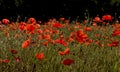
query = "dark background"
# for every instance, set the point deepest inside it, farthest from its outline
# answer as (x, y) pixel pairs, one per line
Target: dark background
(45, 9)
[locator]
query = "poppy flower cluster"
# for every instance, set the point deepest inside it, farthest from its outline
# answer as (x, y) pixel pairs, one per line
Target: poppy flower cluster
(63, 39)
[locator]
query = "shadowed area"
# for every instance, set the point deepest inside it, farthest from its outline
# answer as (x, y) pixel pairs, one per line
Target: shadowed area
(45, 9)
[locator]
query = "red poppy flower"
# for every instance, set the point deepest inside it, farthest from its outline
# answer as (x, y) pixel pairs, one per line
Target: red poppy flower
(5, 21)
(113, 44)
(87, 28)
(81, 36)
(39, 56)
(30, 28)
(68, 62)
(107, 18)
(62, 18)
(97, 19)
(66, 21)
(46, 36)
(66, 51)
(17, 59)
(61, 41)
(39, 31)
(116, 33)
(57, 25)
(88, 42)
(5, 60)
(32, 20)
(45, 43)
(26, 43)
(22, 26)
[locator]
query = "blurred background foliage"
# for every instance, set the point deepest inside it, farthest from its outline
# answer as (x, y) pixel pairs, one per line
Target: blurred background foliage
(57, 8)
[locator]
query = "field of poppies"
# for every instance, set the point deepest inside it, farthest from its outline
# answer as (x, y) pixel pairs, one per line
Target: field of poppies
(91, 45)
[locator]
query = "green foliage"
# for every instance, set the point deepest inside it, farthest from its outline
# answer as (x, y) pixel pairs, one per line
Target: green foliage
(18, 2)
(114, 1)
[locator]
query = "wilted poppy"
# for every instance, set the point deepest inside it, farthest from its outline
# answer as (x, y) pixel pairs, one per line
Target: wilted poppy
(6, 33)
(13, 51)
(0, 61)
(68, 62)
